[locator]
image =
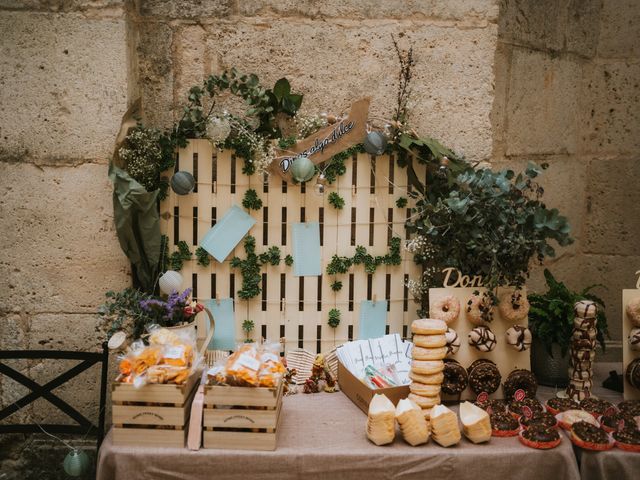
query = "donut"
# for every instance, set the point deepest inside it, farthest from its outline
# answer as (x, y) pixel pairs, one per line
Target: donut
(514, 307)
(428, 326)
(420, 353)
(540, 437)
(634, 339)
(543, 418)
(584, 323)
(633, 373)
(433, 379)
(583, 355)
(576, 394)
(578, 334)
(446, 309)
(430, 341)
(585, 384)
(595, 406)
(492, 406)
(580, 374)
(610, 422)
(427, 367)
(503, 425)
(590, 437)
(583, 344)
(455, 378)
(453, 341)
(482, 338)
(627, 439)
(479, 309)
(633, 311)
(484, 376)
(556, 405)
(520, 379)
(585, 309)
(516, 407)
(519, 337)
(424, 390)
(424, 402)
(631, 407)
(569, 417)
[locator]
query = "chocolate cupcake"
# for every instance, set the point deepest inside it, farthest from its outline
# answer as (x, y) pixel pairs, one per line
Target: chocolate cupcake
(504, 425)
(540, 437)
(632, 407)
(520, 380)
(493, 406)
(633, 373)
(557, 405)
(484, 376)
(544, 419)
(627, 439)
(589, 437)
(595, 406)
(455, 377)
(516, 407)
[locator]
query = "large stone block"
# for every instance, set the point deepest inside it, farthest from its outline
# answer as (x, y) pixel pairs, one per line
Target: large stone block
(538, 24)
(59, 247)
(334, 64)
(583, 20)
(64, 86)
(612, 222)
(108, 7)
(619, 29)
(610, 108)
(190, 50)
(542, 107)
(185, 8)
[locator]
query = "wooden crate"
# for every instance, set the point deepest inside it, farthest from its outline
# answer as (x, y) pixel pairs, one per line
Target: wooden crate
(241, 418)
(153, 415)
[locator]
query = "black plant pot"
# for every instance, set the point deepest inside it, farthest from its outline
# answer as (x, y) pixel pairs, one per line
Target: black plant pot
(549, 371)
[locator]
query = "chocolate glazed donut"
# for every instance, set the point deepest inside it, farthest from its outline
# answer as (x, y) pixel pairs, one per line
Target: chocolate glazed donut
(484, 376)
(455, 377)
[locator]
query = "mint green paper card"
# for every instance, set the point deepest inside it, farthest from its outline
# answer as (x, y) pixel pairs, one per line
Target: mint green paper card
(224, 334)
(373, 319)
(225, 235)
(306, 249)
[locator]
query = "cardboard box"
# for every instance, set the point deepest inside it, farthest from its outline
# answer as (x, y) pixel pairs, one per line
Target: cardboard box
(361, 394)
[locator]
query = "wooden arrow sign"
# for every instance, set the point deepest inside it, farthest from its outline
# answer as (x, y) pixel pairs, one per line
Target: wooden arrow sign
(325, 143)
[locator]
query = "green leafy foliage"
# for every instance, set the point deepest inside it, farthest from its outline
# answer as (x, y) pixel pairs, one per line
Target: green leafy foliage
(401, 202)
(341, 265)
(251, 201)
(336, 200)
(334, 318)
(551, 314)
(181, 255)
(335, 166)
(288, 260)
(248, 326)
(336, 285)
(272, 256)
(122, 311)
(203, 257)
(250, 267)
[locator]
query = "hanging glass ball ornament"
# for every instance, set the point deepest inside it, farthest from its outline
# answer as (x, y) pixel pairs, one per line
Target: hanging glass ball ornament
(320, 183)
(375, 143)
(76, 463)
(444, 166)
(170, 281)
(302, 169)
(218, 129)
(182, 183)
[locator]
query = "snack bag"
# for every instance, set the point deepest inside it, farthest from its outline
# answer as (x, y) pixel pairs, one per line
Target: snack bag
(243, 366)
(271, 367)
(217, 375)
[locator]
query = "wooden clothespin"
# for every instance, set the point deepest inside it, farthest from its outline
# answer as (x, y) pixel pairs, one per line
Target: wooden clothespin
(215, 186)
(375, 298)
(354, 190)
(218, 298)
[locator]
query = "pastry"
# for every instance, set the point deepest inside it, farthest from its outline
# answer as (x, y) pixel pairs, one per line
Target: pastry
(428, 326)
(582, 365)
(504, 425)
(582, 355)
(424, 390)
(595, 406)
(444, 426)
(427, 367)
(634, 339)
(433, 379)
(557, 405)
(540, 437)
(581, 384)
(424, 402)
(516, 407)
(476, 425)
(446, 309)
(381, 420)
(585, 309)
(633, 311)
(584, 323)
(632, 407)
(519, 337)
(484, 376)
(627, 439)
(453, 341)
(569, 417)
(430, 341)
(514, 307)
(520, 380)
(421, 353)
(479, 309)
(482, 338)
(413, 425)
(493, 406)
(544, 419)
(583, 344)
(588, 436)
(632, 373)
(576, 394)
(455, 378)
(616, 421)
(580, 374)
(584, 334)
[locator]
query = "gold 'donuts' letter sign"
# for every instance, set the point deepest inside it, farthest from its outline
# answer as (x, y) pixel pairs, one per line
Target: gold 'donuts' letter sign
(460, 280)
(325, 143)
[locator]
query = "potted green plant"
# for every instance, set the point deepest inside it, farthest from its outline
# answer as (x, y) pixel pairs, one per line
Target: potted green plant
(551, 323)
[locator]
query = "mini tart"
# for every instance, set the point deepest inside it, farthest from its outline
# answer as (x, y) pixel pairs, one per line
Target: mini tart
(627, 439)
(567, 418)
(496, 406)
(428, 326)
(544, 419)
(540, 437)
(557, 405)
(515, 407)
(595, 406)
(484, 376)
(632, 407)
(520, 379)
(588, 436)
(455, 377)
(504, 425)
(611, 423)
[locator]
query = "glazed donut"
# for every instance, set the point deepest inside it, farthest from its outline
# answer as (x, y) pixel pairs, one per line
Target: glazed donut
(634, 339)
(424, 389)
(430, 341)
(585, 309)
(582, 366)
(519, 337)
(479, 309)
(583, 355)
(455, 378)
(482, 338)
(484, 376)
(420, 353)
(630, 407)
(427, 367)
(428, 326)
(576, 394)
(633, 311)
(424, 402)
(584, 334)
(453, 341)
(583, 344)
(585, 384)
(520, 379)
(433, 379)
(446, 309)
(514, 307)
(633, 373)
(588, 324)
(580, 374)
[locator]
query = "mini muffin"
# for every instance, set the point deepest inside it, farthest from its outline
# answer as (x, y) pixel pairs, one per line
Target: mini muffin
(595, 406)
(516, 407)
(557, 405)
(493, 406)
(627, 439)
(611, 423)
(632, 407)
(544, 419)
(540, 437)
(590, 437)
(504, 425)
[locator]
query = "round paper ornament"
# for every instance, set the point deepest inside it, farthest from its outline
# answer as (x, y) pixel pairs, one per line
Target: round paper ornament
(170, 281)
(218, 129)
(375, 143)
(302, 169)
(76, 463)
(182, 183)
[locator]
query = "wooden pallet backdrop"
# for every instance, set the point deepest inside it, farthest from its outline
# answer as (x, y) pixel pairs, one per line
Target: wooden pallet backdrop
(296, 308)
